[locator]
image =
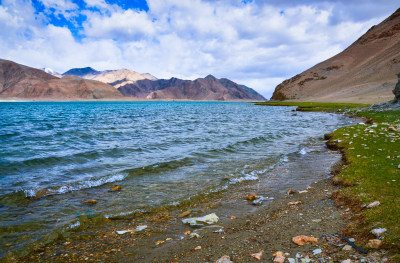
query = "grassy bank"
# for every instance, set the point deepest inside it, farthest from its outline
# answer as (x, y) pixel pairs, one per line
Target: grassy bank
(372, 172)
(316, 106)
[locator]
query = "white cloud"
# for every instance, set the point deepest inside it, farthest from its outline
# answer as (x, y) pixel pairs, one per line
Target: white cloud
(254, 44)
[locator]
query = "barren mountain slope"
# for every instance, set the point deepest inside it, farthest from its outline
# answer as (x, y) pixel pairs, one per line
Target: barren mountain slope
(208, 88)
(364, 72)
(19, 81)
(119, 78)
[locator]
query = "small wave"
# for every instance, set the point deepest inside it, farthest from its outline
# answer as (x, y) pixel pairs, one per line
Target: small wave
(161, 167)
(34, 193)
(74, 225)
(252, 176)
(123, 214)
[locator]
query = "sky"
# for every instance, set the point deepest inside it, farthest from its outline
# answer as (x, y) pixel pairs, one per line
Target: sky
(255, 43)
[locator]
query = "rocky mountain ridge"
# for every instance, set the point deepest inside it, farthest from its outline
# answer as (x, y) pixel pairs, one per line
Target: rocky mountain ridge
(364, 72)
(146, 86)
(23, 82)
(20, 81)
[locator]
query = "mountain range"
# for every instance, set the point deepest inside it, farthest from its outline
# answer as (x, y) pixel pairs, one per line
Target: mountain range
(146, 86)
(364, 72)
(20, 81)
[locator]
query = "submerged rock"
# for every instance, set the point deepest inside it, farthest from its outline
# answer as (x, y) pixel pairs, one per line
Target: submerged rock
(251, 197)
(89, 202)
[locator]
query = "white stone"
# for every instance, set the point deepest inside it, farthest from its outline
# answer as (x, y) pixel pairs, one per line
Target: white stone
(346, 261)
(374, 204)
(378, 231)
(317, 251)
(347, 248)
(201, 221)
(140, 228)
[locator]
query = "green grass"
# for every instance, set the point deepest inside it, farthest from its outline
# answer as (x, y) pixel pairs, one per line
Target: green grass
(372, 153)
(316, 106)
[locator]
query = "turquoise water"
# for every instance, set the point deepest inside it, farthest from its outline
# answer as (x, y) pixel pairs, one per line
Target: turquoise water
(55, 155)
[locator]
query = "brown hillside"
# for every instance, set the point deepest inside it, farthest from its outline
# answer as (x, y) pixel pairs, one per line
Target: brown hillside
(364, 72)
(19, 81)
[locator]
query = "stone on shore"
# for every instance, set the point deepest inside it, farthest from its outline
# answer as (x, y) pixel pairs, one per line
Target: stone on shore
(224, 259)
(374, 243)
(374, 204)
(302, 240)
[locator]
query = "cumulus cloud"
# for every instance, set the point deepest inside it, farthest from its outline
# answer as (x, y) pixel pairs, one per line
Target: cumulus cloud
(257, 43)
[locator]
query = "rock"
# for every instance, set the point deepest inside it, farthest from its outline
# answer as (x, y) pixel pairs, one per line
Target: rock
(374, 204)
(257, 202)
(116, 188)
(374, 243)
(317, 251)
(291, 192)
(186, 213)
(347, 248)
(316, 220)
(257, 255)
(251, 197)
(291, 260)
(140, 228)
(279, 257)
(303, 192)
(352, 240)
(378, 231)
(294, 203)
(224, 259)
(346, 261)
(197, 248)
(302, 240)
(396, 90)
(121, 232)
(201, 221)
(89, 202)
(194, 235)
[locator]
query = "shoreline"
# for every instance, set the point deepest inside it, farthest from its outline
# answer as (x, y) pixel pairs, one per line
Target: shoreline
(124, 99)
(164, 239)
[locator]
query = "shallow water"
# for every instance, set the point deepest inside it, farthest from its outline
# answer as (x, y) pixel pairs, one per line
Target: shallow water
(55, 155)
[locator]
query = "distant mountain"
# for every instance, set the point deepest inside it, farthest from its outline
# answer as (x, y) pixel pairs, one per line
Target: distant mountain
(52, 72)
(146, 86)
(208, 88)
(118, 78)
(19, 81)
(364, 72)
(80, 72)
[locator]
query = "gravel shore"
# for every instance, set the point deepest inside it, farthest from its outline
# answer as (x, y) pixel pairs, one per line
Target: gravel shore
(243, 228)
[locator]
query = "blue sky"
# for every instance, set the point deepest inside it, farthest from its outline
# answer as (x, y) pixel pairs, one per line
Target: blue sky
(253, 42)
